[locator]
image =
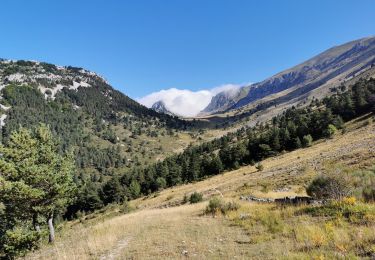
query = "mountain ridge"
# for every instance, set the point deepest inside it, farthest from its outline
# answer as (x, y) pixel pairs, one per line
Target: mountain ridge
(52, 80)
(340, 62)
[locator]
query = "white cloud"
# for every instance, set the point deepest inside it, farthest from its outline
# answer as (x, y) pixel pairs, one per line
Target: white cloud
(185, 102)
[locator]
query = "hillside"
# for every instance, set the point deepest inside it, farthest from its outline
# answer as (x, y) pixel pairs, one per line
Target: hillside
(146, 233)
(314, 77)
(109, 132)
(52, 81)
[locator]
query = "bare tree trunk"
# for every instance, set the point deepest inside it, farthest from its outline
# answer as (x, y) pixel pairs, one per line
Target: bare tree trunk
(51, 229)
(35, 223)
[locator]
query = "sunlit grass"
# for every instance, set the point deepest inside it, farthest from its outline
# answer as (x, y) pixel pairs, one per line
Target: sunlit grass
(162, 228)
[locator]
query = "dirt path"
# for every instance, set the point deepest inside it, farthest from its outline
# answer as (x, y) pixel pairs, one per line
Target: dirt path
(180, 232)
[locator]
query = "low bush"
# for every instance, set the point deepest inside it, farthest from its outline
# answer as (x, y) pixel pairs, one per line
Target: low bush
(196, 197)
(330, 131)
(307, 141)
(217, 205)
(18, 241)
(330, 187)
(214, 206)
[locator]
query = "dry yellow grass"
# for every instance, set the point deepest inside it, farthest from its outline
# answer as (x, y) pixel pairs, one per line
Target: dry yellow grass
(295, 235)
(151, 234)
(159, 231)
(355, 149)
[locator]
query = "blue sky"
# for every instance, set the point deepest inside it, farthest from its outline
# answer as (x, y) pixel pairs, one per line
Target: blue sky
(143, 46)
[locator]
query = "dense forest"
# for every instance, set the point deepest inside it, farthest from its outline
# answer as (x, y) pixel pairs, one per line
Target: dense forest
(293, 129)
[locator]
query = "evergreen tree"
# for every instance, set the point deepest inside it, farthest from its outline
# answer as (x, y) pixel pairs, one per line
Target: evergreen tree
(36, 181)
(194, 168)
(264, 151)
(174, 176)
(112, 191)
(216, 166)
(134, 189)
(161, 183)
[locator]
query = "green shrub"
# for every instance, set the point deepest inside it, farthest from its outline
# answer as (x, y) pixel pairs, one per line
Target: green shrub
(217, 205)
(307, 141)
(229, 206)
(196, 197)
(330, 131)
(18, 241)
(214, 206)
(330, 187)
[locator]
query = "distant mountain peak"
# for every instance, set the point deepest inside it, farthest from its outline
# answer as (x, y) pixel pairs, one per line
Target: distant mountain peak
(160, 107)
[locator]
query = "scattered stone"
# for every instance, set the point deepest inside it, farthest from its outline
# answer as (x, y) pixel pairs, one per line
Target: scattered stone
(252, 198)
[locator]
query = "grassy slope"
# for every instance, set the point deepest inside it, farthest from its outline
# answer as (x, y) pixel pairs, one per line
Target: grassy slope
(156, 230)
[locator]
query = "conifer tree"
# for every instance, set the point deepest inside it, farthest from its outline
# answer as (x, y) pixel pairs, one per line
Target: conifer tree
(36, 182)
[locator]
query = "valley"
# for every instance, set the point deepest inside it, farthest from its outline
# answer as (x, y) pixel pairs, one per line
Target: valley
(119, 180)
(161, 226)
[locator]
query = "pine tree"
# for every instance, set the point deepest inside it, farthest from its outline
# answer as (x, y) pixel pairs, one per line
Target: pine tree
(112, 191)
(174, 176)
(276, 141)
(36, 181)
(216, 166)
(161, 183)
(194, 168)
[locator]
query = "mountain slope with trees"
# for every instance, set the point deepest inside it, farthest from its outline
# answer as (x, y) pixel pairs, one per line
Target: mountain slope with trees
(295, 128)
(107, 131)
